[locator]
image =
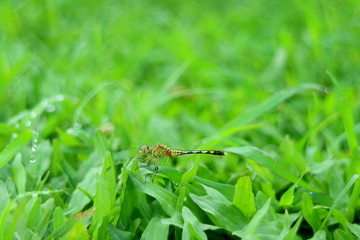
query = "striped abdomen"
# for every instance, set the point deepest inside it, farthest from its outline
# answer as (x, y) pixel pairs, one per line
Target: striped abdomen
(177, 152)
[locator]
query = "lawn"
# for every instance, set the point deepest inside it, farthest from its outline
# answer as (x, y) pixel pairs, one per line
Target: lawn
(85, 84)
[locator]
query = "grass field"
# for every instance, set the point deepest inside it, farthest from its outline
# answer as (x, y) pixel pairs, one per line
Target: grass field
(275, 84)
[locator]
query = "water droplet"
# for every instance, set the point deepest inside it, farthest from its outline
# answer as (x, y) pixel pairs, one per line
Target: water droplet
(50, 108)
(14, 135)
(28, 123)
(32, 159)
(69, 130)
(45, 102)
(34, 146)
(59, 98)
(33, 114)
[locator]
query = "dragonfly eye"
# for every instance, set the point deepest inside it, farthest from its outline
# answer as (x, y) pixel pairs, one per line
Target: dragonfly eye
(143, 149)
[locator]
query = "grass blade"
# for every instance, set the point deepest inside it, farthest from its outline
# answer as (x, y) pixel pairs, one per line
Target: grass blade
(14, 147)
(225, 213)
(338, 199)
(192, 228)
(244, 197)
(166, 199)
(264, 159)
(155, 230)
(264, 107)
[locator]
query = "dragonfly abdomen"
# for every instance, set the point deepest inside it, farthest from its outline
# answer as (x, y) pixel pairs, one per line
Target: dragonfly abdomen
(176, 152)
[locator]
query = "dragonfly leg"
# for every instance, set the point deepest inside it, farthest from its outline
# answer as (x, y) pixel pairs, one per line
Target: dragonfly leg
(156, 170)
(149, 163)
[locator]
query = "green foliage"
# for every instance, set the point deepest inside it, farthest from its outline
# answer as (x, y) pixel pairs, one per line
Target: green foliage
(274, 84)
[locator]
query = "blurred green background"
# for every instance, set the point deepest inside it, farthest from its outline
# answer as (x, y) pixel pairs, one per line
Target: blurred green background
(185, 74)
(282, 76)
(182, 69)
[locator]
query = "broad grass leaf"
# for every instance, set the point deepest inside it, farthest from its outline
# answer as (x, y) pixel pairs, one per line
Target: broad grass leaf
(78, 231)
(59, 218)
(166, 199)
(346, 109)
(102, 231)
(4, 218)
(287, 198)
(14, 147)
(354, 198)
(12, 224)
(260, 201)
(4, 196)
(41, 159)
(19, 172)
(192, 228)
(176, 219)
(340, 234)
(67, 139)
(292, 233)
(56, 159)
(100, 143)
(46, 212)
(355, 229)
(223, 212)
(319, 235)
(34, 215)
(310, 215)
(129, 201)
(180, 201)
(134, 225)
(340, 218)
(6, 132)
(41, 185)
(116, 233)
(102, 204)
(339, 198)
(108, 174)
(175, 175)
(264, 159)
(155, 230)
(250, 229)
(189, 176)
(244, 197)
(78, 199)
(69, 224)
(86, 193)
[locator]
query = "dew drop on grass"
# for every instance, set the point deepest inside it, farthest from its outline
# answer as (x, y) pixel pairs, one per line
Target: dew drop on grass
(59, 98)
(28, 123)
(50, 108)
(32, 159)
(33, 114)
(34, 147)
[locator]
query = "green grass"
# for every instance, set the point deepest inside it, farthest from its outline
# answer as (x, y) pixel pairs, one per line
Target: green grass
(274, 84)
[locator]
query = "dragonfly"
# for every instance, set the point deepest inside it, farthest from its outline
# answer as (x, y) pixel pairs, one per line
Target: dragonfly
(153, 154)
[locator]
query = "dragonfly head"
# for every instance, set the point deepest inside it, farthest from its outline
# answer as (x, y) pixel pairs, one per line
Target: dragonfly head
(144, 150)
